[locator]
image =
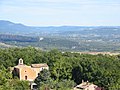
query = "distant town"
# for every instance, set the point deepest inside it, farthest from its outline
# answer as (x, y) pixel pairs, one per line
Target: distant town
(64, 38)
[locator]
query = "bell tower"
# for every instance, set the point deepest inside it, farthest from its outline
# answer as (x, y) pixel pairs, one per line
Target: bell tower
(20, 61)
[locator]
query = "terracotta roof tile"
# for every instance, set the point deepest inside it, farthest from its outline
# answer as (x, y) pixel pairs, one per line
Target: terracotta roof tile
(39, 65)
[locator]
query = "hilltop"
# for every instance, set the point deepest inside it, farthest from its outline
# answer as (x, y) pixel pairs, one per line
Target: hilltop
(65, 38)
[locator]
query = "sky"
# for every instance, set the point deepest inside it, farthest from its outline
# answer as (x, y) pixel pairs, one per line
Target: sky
(61, 12)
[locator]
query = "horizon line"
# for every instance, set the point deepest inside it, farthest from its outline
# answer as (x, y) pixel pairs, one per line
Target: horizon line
(61, 25)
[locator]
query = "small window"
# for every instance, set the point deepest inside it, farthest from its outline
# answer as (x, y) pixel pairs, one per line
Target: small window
(25, 77)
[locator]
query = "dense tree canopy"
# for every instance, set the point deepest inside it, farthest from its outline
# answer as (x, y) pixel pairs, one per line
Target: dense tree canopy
(66, 69)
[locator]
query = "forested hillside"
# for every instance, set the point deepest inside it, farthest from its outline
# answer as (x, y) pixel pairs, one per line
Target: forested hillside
(66, 69)
(18, 38)
(64, 38)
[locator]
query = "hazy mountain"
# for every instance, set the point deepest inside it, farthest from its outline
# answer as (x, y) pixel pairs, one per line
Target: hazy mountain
(74, 38)
(15, 28)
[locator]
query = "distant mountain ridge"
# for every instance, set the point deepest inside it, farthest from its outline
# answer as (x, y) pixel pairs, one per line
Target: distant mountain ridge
(12, 28)
(70, 38)
(7, 27)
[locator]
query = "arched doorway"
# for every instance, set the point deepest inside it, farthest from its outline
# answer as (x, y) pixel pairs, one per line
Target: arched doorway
(25, 77)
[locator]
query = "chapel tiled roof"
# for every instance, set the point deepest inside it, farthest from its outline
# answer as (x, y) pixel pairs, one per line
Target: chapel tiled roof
(39, 65)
